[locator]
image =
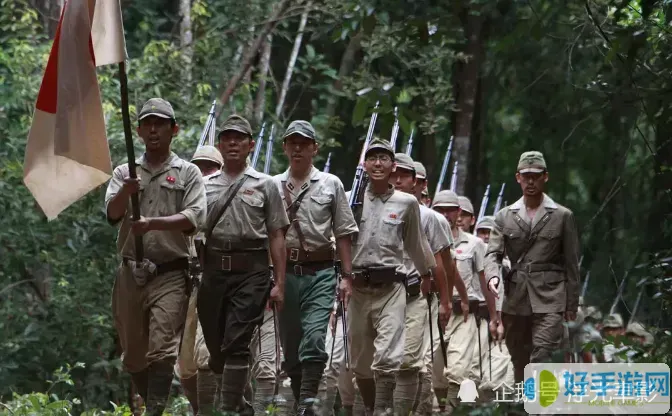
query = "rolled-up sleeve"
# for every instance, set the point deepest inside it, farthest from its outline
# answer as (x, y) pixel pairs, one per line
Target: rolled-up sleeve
(276, 216)
(113, 189)
(343, 221)
(194, 202)
(436, 235)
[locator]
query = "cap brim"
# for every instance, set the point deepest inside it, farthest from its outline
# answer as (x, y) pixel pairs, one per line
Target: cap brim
(154, 114)
(420, 176)
(238, 129)
(445, 204)
(205, 159)
(404, 167)
(300, 133)
(467, 211)
(485, 227)
(531, 170)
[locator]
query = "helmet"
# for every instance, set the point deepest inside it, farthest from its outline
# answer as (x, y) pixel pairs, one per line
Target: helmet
(209, 153)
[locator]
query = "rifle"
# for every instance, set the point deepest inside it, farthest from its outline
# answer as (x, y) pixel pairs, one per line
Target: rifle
(341, 306)
(327, 165)
(257, 147)
(634, 309)
(209, 129)
(585, 286)
(409, 145)
(269, 151)
(500, 197)
(484, 204)
(621, 287)
(453, 180)
(444, 167)
(361, 179)
(395, 130)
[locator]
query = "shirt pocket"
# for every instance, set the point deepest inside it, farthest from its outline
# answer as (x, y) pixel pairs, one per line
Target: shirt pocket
(550, 240)
(320, 208)
(170, 198)
(390, 233)
(465, 266)
(253, 209)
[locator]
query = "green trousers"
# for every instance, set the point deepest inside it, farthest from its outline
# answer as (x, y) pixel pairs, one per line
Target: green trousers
(309, 300)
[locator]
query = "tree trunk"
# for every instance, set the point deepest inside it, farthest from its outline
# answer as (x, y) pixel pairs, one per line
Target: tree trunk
(467, 87)
(186, 43)
(260, 100)
(348, 62)
(290, 66)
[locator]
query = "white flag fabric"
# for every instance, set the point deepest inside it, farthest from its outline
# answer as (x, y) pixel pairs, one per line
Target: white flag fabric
(67, 155)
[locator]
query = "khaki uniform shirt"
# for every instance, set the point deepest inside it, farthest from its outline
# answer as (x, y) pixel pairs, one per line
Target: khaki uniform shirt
(389, 223)
(557, 244)
(255, 212)
(435, 235)
(175, 188)
(470, 259)
(324, 213)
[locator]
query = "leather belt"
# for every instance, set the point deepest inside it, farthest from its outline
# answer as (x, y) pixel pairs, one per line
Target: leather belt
(167, 267)
(473, 306)
(298, 255)
(377, 277)
(236, 262)
(240, 245)
(538, 267)
(308, 269)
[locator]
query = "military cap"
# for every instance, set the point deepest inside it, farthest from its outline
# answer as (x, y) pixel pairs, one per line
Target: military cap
(380, 144)
(613, 321)
(487, 223)
(404, 161)
(465, 205)
(209, 153)
(593, 313)
(236, 123)
(531, 162)
(420, 171)
(301, 127)
(424, 192)
(157, 107)
(446, 199)
(638, 329)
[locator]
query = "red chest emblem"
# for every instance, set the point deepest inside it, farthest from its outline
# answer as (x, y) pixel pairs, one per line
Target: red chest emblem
(393, 216)
(458, 251)
(170, 179)
(248, 192)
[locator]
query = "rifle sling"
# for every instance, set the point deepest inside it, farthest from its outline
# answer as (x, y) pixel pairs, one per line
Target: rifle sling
(292, 209)
(221, 208)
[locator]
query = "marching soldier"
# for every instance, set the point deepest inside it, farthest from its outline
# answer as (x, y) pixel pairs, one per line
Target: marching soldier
(463, 328)
(390, 222)
(540, 238)
(246, 221)
(193, 352)
(336, 380)
(318, 209)
(498, 373)
(149, 299)
(466, 219)
(403, 179)
(613, 326)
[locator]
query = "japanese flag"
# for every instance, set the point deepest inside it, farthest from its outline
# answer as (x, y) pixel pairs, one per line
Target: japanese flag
(67, 155)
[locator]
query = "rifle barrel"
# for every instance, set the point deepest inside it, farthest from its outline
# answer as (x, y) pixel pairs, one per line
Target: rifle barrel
(360, 178)
(395, 130)
(484, 204)
(444, 167)
(409, 146)
(269, 151)
(205, 135)
(453, 180)
(327, 165)
(500, 197)
(257, 147)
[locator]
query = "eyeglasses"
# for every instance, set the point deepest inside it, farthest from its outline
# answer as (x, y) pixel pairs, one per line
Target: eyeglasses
(382, 158)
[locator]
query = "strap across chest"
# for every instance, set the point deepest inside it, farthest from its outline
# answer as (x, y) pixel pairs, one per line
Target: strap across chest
(293, 208)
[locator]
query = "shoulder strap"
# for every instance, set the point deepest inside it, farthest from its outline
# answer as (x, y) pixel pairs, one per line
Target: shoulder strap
(292, 209)
(222, 207)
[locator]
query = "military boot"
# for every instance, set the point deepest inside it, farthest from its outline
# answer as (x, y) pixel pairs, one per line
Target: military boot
(207, 387)
(159, 383)
(311, 375)
(234, 379)
(405, 391)
(384, 401)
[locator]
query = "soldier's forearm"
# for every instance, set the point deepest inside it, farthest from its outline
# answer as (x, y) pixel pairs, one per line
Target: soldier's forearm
(117, 206)
(489, 298)
(276, 242)
(459, 283)
(445, 296)
(177, 222)
(344, 248)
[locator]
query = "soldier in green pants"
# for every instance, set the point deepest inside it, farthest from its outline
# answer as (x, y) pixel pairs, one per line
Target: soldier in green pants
(317, 209)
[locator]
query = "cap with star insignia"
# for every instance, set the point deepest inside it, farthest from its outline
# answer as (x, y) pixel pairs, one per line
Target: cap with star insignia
(157, 107)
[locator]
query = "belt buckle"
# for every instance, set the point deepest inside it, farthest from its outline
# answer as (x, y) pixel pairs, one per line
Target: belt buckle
(226, 263)
(294, 254)
(298, 270)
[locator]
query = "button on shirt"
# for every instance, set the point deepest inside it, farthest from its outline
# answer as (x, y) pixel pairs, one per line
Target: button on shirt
(174, 188)
(469, 255)
(255, 212)
(324, 212)
(390, 222)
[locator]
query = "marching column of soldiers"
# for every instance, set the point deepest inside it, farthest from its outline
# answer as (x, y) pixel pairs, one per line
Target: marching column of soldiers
(287, 292)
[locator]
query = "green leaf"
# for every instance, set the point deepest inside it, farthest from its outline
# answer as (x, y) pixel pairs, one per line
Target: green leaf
(310, 51)
(404, 97)
(359, 112)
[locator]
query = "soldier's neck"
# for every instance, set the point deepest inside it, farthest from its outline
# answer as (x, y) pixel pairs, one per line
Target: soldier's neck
(379, 187)
(532, 202)
(156, 158)
(456, 231)
(234, 169)
(300, 173)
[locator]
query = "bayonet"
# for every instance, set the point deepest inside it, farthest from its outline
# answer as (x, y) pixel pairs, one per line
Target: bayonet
(395, 130)
(327, 165)
(360, 181)
(444, 167)
(269, 151)
(484, 204)
(500, 197)
(257, 147)
(409, 145)
(453, 180)
(209, 129)
(585, 286)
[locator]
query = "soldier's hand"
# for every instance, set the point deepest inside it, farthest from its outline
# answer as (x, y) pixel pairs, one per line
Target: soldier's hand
(570, 316)
(345, 291)
(493, 286)
(445, 311)
(141, 226)
(426, 285)
(465, 309)
(492, 327)
(278, 297)
(131, 185)
(500, 334)
(332, 323)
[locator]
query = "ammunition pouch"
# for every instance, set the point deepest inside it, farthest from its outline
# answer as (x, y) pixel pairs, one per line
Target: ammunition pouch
(412, 286)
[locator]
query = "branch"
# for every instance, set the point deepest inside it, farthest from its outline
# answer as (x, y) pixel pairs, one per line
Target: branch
(250, 54)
